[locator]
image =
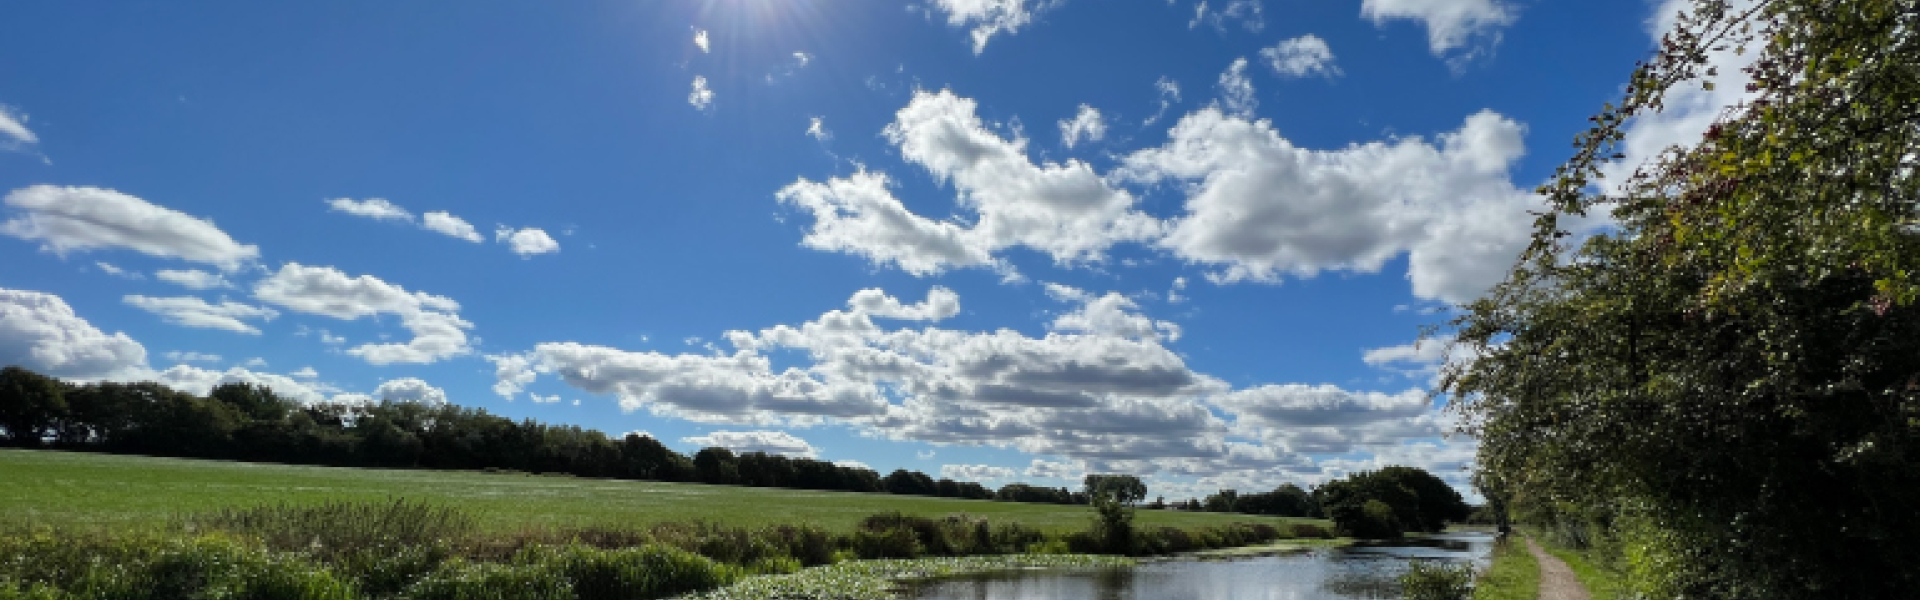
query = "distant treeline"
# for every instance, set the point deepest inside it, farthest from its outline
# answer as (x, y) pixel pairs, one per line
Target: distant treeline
(240, 421)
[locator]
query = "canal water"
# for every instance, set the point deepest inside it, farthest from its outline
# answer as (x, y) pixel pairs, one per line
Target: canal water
(1369, 571)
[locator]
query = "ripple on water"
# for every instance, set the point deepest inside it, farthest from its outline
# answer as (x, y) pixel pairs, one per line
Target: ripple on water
(1360, 572)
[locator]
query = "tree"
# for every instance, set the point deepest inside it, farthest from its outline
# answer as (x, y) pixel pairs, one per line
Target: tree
(716, 465)
(1726, 385)
(1113, 497)
(31, 405)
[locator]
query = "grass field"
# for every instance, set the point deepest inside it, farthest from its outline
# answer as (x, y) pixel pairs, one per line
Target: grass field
(82, 490)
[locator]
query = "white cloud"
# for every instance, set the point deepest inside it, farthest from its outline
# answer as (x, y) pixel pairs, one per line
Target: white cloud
(306, 373)
(1236, 90)
(1169, 96)
(378, 209)
(445, 223)
(1043, 469)
(1085, 125)
(65, 219)
(1261, 207)
(411, 389)
(527, 242)
(187, 357)
(817, 129)
(1300, 57)
(539, 399)
(13, 124)
(40, 331)
(1064, 210)
(1115, 315)
(1100, 398)
(976, 472)
(255, 362)
(198, 381)
(852, 464)
(803, 59)
(990, 17)
(770, 442)
(701, 40)
(1173, 292)
(116, 271)
(438, 333)
(1451, 24)
(1249, 13)
(194, 279)
(188, 311)
(701, 97)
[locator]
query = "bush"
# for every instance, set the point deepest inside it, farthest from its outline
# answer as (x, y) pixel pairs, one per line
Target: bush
(386, 572)
(462, 580)
(891, 543)
(1309, 530)
(1372, 520)
(1426, 580)
(652, 571)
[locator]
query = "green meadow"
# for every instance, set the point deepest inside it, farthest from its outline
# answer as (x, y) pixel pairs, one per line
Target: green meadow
(69, 490)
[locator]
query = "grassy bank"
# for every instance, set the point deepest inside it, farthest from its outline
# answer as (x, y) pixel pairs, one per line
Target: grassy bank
(1514, 574)
(72, 490)
(406, 550)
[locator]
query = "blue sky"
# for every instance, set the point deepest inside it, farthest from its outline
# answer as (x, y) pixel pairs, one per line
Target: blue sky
(1000, 240)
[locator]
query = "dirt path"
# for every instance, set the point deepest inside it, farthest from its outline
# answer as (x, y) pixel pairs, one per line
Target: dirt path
(1556, 580)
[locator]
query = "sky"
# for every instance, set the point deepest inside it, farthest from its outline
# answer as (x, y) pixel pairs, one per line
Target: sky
(993, 240)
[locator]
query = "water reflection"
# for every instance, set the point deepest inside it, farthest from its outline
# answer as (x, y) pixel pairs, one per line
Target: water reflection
(1361, 572)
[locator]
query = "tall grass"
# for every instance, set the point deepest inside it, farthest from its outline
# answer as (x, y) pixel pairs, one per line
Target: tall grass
(335, 529)
(410, 550)
(1514, 574)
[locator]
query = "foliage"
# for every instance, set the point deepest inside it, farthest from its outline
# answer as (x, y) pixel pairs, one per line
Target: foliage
(340, 528)
(1726, 386)
(30, 404)
(879, 580)
(1430, 580)
(1408, 498)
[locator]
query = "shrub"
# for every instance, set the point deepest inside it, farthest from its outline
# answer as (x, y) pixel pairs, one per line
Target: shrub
(387, 572)
(1372, 520)
(461, 580)
(891, 543)
(1309, 530)
(1426, 580)
(652, 571)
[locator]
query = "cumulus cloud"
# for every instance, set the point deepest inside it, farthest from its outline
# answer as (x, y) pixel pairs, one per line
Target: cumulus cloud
(1236, 90)
(445, 223)
(1066, 211)
(976, 472)
(1261, 207)
(67, 219)
(1094, 394)
(526, 242)
(187, 357)
(188, 311)
(40, 331)
(1111, 314)
(770, 442)
(13, 125)
(1045, 469)
(438, 332)
(817, 129)
(702, 96)
(988, 18)
(1085, 125)
(701, 40)
(1300, 57)
(306, 373)
(193, 279)
(198, 381)
(1467, 26)
(411, 389)
(378, 209)
(852, 464)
